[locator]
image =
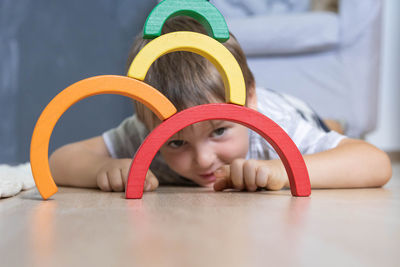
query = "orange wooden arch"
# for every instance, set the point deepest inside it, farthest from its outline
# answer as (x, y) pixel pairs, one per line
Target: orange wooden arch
(272, 132)
(107, 84)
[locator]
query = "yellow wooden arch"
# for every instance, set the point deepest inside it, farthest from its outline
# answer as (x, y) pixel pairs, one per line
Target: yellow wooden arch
(215, 52)
(107, 84)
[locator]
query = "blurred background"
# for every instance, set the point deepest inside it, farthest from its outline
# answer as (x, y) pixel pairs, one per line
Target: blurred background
(387, 132)
(46, 46)
(342, 57)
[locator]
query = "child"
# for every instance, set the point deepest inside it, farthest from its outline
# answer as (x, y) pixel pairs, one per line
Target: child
(221, 154)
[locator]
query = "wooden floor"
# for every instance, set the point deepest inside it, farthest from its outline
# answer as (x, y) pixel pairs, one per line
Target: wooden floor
(196, 227)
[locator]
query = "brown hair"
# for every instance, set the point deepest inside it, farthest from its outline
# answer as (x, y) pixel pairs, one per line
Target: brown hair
(185, 78)
(325, 5)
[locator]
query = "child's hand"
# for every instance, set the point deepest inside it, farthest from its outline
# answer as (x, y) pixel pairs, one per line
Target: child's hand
(113, 176)
(249, 175)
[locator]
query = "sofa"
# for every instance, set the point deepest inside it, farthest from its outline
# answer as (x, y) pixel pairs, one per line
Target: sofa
(330, 59)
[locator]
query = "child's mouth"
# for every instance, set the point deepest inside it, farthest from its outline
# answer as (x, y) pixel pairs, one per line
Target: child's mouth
(209, 177)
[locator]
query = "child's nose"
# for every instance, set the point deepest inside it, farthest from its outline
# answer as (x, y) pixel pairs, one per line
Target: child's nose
(205, 157)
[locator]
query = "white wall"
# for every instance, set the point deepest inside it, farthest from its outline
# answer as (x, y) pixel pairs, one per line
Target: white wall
(387, 134)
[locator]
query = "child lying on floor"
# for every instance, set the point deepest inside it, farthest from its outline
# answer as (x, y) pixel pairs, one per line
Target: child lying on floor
(221, 154)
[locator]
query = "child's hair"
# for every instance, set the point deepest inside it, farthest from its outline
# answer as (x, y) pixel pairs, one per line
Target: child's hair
(185, 78)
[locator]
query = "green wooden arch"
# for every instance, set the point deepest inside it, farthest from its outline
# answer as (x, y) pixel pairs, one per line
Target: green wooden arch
(201, 10)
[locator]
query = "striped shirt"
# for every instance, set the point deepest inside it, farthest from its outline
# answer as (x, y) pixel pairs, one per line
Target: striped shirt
(294, 116)
(297, 119)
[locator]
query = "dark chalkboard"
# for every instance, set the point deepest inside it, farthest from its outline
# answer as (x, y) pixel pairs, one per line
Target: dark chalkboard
(47, 45)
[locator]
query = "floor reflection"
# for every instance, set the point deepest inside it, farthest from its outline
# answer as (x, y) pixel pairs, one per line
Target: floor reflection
(42, 234)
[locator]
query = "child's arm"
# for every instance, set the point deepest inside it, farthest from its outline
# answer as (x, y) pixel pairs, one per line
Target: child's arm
(352, 164)
(88, 164)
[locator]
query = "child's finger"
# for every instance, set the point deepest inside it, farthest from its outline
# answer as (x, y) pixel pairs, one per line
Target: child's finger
(223, 178)
(221, 184)
(102, 182)
(151, 182)
(249, 175)
(116, 180)
(262, 175)
(223, 172)
(125, 175)
(237, 174)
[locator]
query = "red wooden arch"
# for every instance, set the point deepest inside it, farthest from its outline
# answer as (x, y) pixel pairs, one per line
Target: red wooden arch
(272, 132)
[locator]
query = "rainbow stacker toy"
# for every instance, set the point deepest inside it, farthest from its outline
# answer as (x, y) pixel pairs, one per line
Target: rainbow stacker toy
(133, 86)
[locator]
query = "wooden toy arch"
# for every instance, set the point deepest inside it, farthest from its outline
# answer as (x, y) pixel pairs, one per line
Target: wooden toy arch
(215, 52)
(272, 132)
(107, 84)
(201, 10)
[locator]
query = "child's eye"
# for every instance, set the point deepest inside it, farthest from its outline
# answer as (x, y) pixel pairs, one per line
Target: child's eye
(219, 132)
(176, 143)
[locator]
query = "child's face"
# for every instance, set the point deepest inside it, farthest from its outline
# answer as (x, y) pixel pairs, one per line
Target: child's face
(197, 151)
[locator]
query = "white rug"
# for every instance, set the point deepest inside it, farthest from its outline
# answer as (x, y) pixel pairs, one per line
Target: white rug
(14, 179)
